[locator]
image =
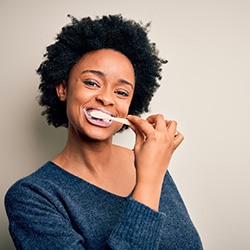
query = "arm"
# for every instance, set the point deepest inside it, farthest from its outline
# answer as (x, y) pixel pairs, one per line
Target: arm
(35, 223)
(156, 141)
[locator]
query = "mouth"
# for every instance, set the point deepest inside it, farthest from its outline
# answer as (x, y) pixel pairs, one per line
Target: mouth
(96, 121)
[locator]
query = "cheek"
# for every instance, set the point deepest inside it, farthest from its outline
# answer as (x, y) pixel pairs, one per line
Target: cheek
(124, 107)
(71, 111)
(74, 105)
(79, 97)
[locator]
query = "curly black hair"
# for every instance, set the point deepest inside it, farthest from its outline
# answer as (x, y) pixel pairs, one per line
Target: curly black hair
(85, 35)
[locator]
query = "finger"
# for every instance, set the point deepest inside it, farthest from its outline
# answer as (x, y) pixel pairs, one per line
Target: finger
(144, 126)
(178, 139)
(167, 122)
(140, 137)
(172, 126)
(158, 121)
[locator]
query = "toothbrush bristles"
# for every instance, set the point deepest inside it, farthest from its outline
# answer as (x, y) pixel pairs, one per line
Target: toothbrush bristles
(99, 114)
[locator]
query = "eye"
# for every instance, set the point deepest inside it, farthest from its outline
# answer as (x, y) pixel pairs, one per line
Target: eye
(122, 93)
(91, 83)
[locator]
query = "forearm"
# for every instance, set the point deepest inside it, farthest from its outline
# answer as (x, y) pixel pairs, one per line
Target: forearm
(148, 192)
(156, 141)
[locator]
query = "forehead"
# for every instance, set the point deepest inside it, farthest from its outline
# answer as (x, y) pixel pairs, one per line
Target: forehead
(108, 61)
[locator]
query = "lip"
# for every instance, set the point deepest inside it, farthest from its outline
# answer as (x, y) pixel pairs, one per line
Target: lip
(97, 122)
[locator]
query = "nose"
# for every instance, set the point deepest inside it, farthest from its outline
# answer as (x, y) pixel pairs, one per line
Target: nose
(105, 98)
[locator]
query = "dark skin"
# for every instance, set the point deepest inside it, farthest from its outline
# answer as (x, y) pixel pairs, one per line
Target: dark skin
(105, 79)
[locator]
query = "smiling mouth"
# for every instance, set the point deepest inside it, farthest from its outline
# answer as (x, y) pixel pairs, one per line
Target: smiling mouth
(96, 121)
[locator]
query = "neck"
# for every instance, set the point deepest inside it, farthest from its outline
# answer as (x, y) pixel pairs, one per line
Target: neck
(85, 154)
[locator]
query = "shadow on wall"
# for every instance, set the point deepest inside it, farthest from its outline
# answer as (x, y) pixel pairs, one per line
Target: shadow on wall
(7, 244)
(6, 241)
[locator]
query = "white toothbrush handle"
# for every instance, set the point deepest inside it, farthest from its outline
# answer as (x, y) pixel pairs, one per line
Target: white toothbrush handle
(121, 120)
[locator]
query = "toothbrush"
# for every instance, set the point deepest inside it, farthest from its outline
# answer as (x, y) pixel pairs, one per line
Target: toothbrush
(101, 115)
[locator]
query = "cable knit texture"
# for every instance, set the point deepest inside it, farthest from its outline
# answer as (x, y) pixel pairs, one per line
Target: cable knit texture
(53, 209)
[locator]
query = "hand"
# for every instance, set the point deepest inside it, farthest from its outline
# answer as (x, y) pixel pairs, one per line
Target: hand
(156, 141)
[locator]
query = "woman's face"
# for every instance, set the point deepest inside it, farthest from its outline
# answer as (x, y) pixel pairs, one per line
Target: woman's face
(101, 80)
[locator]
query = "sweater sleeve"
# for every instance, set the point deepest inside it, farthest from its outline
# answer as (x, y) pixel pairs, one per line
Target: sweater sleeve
(140, 227)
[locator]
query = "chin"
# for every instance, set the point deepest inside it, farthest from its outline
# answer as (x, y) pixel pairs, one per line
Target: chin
(99, 134)
(97, 138)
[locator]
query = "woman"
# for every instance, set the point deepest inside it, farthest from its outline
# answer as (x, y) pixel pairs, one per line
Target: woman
(96, 195)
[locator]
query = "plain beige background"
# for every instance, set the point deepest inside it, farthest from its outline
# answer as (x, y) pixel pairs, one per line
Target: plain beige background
(205, 87)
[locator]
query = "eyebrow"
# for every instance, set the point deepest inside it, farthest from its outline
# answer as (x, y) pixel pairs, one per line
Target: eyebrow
(100, 73)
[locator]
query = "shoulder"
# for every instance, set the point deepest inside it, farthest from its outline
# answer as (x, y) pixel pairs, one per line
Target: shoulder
(124, 157)
(27, 182)
(124, 152)
(42, 172)
(37, 183)
(44, 189)
(169, 184)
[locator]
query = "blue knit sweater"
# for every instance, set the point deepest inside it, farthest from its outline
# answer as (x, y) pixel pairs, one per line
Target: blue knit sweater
(53, 209)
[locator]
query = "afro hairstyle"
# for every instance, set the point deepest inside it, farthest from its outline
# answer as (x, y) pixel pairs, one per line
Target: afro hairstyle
(85, 35)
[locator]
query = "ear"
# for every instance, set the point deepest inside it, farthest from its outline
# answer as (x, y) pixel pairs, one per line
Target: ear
(61, 90)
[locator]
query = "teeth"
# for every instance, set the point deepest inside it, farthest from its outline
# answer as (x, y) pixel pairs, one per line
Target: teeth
(104, 120)
(96, 117)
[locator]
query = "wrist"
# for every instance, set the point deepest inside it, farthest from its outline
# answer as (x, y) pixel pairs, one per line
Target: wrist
(148, 193)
